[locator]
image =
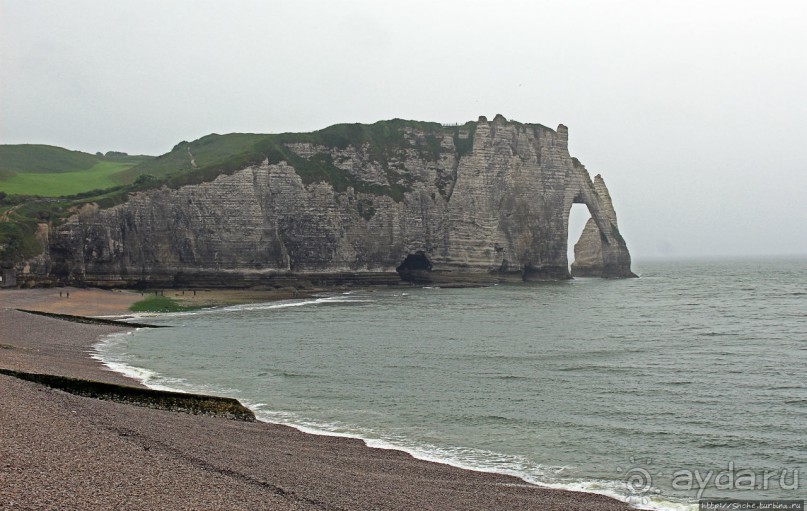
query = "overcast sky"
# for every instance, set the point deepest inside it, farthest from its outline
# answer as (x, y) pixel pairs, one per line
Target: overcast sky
(694, 112)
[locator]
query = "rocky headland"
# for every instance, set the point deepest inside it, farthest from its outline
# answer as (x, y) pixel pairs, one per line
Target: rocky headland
(487, 201)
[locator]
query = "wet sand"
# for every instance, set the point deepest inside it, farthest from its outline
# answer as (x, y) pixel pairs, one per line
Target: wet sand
(100, 302)
(61, 451)
(81, 302)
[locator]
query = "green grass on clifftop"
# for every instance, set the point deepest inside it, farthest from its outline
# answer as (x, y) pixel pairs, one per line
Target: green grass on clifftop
(42, 158)
(54, 184)
(42, 184)
(48, 171)
(384, 142)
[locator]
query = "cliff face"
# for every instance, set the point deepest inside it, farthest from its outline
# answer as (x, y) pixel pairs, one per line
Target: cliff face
(487, 203)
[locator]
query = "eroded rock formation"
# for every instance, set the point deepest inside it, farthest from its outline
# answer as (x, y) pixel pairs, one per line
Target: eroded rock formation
(490, 202)
(594, 256)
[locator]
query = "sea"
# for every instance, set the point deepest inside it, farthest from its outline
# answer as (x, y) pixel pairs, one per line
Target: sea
(687, 383)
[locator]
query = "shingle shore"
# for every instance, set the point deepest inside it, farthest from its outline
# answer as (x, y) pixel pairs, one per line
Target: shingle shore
(62, 451)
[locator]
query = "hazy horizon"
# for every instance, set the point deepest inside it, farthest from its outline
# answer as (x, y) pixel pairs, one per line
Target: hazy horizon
(692, 112)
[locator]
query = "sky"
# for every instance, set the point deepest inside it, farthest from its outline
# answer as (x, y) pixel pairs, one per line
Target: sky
(694, 112)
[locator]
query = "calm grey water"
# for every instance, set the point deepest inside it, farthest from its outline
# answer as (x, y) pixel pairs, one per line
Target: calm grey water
(686, 382)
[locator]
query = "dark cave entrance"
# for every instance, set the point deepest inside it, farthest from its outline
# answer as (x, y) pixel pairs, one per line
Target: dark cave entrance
(415, 267)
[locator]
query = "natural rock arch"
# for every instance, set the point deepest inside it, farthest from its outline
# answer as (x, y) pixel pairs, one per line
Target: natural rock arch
(490, 207)
(601, 251)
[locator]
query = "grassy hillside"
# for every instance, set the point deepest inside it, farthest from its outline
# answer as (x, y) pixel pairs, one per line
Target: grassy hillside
(48, 171)
(54, 184)
(34, 158)
(204, 159)
(45, 184)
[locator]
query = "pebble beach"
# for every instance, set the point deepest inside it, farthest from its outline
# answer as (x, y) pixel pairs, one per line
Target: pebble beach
(63, 451)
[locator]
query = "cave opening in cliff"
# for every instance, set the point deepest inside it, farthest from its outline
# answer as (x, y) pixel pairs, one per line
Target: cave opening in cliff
(578, 217)
(414, 267)
(416, 261)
